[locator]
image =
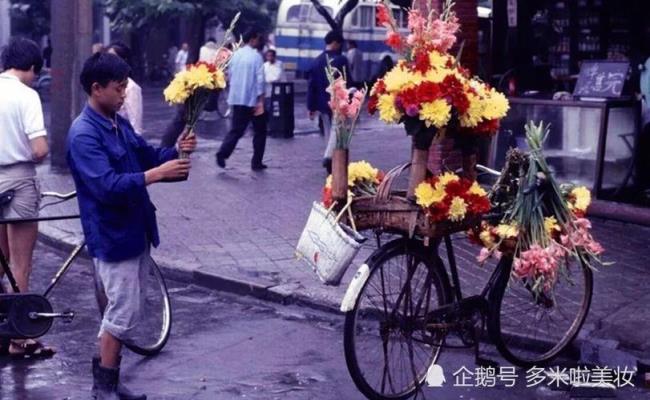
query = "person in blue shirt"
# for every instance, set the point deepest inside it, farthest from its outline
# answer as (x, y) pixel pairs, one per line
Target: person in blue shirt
(317, 96)
(111, 166)
(246, 96)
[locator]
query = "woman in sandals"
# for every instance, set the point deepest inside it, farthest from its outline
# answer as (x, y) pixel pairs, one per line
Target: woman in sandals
(24, 144)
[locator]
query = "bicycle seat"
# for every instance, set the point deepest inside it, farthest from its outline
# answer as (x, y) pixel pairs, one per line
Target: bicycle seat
(6, 197)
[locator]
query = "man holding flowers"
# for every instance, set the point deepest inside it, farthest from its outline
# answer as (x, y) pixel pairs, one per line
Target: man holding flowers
(112, 166)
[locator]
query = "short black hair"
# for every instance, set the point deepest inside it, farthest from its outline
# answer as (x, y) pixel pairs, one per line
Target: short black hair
(103, 68)
(275, 53)
(22, 54)
(250, 34)
(352, 43)
(333, 36)
(211, 39)
(122, 50)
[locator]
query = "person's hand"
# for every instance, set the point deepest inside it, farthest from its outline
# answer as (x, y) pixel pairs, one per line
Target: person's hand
(174, 169)
(187, 143)
(259, 109)
(312, 115)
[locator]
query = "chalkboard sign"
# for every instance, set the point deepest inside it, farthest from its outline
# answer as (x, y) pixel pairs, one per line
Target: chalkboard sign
(601, 79)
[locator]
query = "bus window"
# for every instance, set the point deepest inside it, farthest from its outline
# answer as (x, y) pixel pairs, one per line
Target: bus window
(355, 17)
(367, 16)
(294, 13)
(316, 17)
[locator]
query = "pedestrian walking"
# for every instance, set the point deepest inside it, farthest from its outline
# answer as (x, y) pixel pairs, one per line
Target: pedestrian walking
(132, 108)
(317, 96)
(246, 97)
(112, 166)
(273, 72)
(181, 57)
(355, 62)
(23, 145)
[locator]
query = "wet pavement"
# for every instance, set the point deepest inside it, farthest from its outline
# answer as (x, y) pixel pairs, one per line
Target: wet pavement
(222, 347)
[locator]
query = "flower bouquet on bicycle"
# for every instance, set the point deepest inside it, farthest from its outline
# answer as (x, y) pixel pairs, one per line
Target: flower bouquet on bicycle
(404, 306)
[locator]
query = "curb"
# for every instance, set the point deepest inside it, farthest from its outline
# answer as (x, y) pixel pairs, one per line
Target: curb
(583, 349)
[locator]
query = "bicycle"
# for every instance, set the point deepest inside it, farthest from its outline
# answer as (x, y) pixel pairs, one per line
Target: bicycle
(408, 310)
(30, 315)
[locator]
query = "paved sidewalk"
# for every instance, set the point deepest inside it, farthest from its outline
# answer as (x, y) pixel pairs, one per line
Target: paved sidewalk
(236, 230)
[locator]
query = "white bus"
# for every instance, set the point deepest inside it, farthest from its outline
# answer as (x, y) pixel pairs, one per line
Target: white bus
(300, 33)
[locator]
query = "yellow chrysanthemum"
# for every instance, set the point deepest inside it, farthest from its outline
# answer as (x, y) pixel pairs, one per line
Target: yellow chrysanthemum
(551, 225)
(496, 105)
(447, 177)
(361, 171)
(424, 195)
(457, 209)
(582, 198)
(177, 92)
(439, 60)
(487, 239)
(219, 79)
(474, 114)
(506, 231)
(436, 113)
(199, 77)
(477, 189)
(387, 110)
(328, 182)
(400, 78)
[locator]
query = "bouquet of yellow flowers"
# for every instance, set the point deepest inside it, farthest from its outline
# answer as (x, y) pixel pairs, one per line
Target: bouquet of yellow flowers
(363, 180)
(428, 88)
(193, 86)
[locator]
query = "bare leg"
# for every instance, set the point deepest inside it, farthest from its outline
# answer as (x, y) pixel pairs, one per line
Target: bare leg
(109, 350)
(22, 238)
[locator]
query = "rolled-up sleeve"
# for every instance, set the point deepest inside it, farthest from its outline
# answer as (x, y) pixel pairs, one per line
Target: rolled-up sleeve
(94, 169)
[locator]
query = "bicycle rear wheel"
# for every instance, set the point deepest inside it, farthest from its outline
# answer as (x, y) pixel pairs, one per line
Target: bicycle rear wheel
(154, 328)
(532, 332)
(387, 348)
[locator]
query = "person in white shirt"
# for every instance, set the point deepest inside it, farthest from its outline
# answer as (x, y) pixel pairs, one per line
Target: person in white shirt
(24, 144)
(181, 57)
(208, 52)
(273, 71)
(132, 107)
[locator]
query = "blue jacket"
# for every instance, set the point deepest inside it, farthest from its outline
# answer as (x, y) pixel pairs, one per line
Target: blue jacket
(317, 97)
(107, 164)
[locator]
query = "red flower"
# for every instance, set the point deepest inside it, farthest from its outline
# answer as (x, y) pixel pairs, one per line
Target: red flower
(383, 18)
(211, 67)
(478, 204)
(380, 87)
(457, 188)
(421, 62)
(438, 212)
(395, 41)
(327, 197)
(408, 97)
(372, 104)
(428, 92)
(380, 176)
(487, 127)
(453, 89)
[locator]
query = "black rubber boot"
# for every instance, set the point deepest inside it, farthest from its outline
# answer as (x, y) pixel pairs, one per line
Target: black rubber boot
(104, 382)
(122, 391)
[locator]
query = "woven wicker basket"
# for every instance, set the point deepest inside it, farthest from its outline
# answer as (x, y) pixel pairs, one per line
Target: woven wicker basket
(391, 211)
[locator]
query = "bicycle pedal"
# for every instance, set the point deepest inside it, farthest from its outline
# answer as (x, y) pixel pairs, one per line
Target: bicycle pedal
(486, 363)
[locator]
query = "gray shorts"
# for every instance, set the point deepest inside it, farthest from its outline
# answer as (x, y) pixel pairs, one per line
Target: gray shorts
(124, 284)
(21, 178)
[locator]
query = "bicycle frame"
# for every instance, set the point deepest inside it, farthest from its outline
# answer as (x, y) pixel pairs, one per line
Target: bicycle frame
(64, 268)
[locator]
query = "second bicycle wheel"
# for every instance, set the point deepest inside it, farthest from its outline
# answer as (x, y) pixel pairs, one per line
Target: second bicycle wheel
(531, 331)
(387, 348)
(154, 327)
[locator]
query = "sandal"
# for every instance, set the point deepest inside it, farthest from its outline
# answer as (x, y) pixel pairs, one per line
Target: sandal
(31, 349)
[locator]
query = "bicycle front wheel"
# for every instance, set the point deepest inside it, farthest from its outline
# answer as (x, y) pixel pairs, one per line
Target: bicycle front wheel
(530, 331)
(388, 349)
(154, 327)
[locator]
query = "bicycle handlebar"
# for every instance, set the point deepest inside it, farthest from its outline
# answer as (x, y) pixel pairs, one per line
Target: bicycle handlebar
(487, 170)
(62, 196)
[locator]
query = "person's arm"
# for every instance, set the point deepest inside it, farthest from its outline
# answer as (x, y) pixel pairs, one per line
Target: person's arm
(259, 84)
(311, 89)
(133, 107)
(108, 186)
(34, 125)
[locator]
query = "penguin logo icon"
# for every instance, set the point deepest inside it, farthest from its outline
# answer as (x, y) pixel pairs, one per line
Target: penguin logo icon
(435, 376)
